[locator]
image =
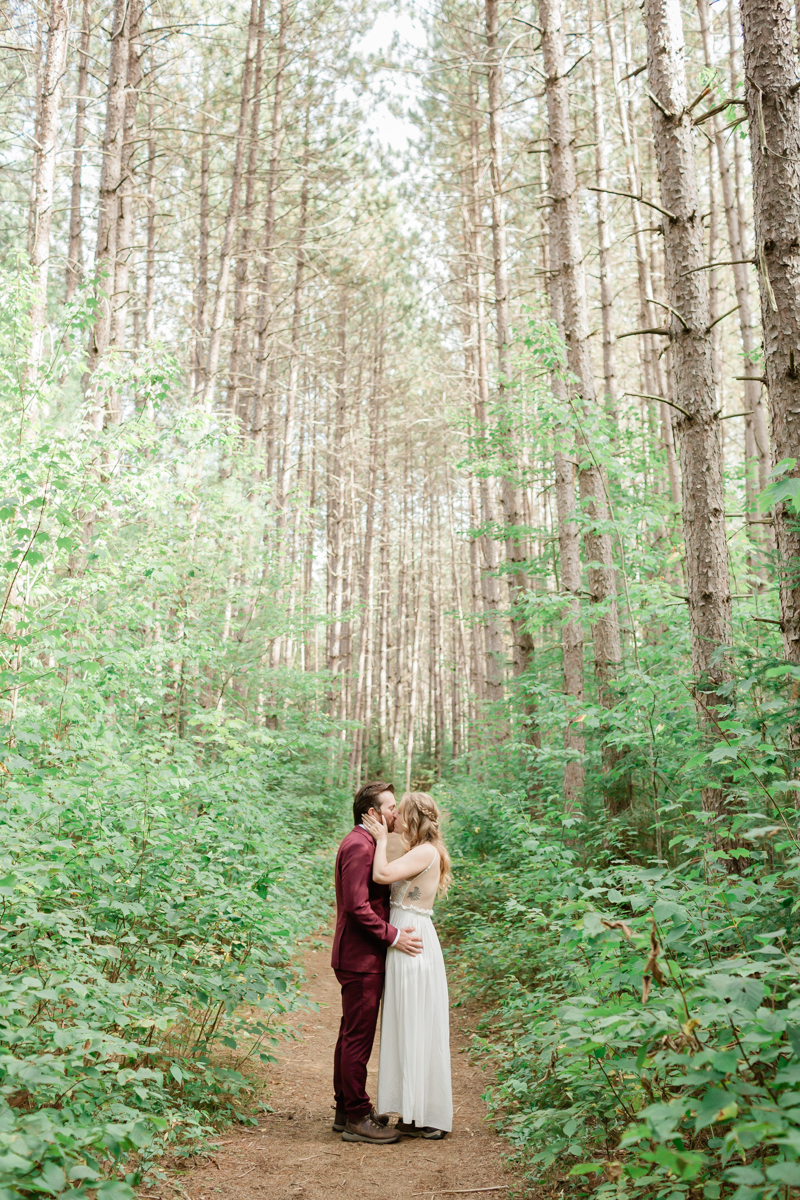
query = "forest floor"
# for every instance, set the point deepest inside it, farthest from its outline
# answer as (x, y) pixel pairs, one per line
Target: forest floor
(294, 1155)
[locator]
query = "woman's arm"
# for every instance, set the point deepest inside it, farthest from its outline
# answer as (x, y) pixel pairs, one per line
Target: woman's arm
(405, 867)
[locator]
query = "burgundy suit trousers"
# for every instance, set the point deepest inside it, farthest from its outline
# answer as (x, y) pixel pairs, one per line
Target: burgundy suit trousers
(361, 1001)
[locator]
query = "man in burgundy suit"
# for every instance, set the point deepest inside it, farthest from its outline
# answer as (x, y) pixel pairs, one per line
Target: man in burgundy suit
(363, 935)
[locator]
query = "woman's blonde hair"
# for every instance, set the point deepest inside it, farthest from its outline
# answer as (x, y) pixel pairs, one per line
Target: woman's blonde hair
(421, 818)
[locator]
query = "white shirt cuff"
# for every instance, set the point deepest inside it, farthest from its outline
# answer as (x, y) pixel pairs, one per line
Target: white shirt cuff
(396, 940)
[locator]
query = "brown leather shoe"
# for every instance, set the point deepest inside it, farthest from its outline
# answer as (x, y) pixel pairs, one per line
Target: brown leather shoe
(424, 1131)
(364, 1129)
(340, 1120)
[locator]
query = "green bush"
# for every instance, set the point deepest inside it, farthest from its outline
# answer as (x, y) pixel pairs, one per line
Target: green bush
(645, 1025)
(164, 816)
(148, 919)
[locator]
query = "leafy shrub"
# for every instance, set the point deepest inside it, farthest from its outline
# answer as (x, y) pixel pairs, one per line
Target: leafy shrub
(145, 921)
(646, 1032)
(163, 843)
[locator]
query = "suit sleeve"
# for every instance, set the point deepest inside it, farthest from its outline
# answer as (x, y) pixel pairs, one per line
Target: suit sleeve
(356, 868)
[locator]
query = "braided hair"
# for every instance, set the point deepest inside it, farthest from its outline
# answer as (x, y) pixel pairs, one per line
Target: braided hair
(421, 818)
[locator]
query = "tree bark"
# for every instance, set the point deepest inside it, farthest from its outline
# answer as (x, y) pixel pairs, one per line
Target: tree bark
(566, 226)
(150, 260)
(265, 305)
(226, 251)
(126, 212)
(283, 484)
(201, 287)
(105, 257)
(691, 350)
(361, 714)
(48, 102)
(569, 553)
(522, 642)
(335, 513)
(772, 94)
(75, 252)
(604, 238)
(243, 250)
(493, 628)
(756, 432)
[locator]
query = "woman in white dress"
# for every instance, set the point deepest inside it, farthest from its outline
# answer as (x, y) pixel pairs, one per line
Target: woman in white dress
(414, 1074)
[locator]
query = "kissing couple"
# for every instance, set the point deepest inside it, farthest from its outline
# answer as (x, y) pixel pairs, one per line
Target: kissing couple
(373, 957)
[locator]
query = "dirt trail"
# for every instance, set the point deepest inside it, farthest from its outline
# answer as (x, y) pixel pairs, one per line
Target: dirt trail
(294, 1155)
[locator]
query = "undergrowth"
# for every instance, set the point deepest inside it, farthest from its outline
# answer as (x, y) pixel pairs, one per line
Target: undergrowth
(643, 1011)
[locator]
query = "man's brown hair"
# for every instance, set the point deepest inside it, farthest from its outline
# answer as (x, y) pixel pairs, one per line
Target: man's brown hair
(367, 797)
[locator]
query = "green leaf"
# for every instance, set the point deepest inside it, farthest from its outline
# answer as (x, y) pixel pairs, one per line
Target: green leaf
(716, 1105)
(785, 1172)
(793, 1034)
(53, 1176)
(749, 1175)
(736, 989)
(115, 1189)
(586, 1168)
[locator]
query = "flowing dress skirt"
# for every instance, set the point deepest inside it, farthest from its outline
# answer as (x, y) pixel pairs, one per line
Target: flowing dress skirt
(414, 1073)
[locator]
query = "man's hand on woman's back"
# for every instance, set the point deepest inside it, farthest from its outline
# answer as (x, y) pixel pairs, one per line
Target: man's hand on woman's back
(409, 941)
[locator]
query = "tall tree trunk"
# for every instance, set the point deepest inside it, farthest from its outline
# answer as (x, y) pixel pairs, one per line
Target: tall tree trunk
(150, 259)
(335, 512)
(264, 314)
(126, 214)
(201, 287)
(243, 249)
(569, 554)
(48, 101)
(772, 94)
(756, 433)
(105, 256)
(283, 485)
(490, 583)
(413, 698)
(566, 225)
(385, 624)
(232, 216)
(476, 578)
(522, 643)
(361, 707)
(75, 252)
(654, 378)
(604, 238)
(691, 350)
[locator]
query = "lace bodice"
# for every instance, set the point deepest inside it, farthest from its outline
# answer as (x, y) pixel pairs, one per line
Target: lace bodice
(419, 893)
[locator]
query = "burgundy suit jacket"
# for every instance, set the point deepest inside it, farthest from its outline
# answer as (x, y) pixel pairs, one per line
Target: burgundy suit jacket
(363, 933)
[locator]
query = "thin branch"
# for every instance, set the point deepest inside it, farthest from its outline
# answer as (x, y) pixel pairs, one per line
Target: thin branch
(661, 330)
(718, 108)
(728, 262)
(700, 96)
(632, 196)
(670, 116)
(661, 400)
(501, 1187)
(735, 308)
(670, 309)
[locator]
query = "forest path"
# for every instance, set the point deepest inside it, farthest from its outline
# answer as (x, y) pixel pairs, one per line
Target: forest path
(294, 1155)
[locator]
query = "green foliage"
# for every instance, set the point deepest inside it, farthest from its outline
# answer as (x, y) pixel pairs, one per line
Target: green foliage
(646, 1032)
(164, 817)
(148, 916)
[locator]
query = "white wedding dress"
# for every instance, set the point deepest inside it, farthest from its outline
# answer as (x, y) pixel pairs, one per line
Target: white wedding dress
(414, 1072)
